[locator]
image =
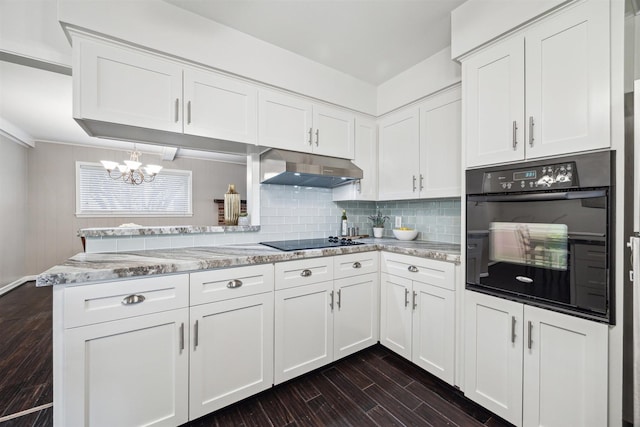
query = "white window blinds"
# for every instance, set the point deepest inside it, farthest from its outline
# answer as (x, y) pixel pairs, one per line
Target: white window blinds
(99, 195)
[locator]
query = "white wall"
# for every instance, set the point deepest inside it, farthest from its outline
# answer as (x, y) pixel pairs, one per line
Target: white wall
(161, 26)
(424, 78)
(52, 233)
(13, 211)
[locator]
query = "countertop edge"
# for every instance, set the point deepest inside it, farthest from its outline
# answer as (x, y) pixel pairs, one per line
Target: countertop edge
(144, 264)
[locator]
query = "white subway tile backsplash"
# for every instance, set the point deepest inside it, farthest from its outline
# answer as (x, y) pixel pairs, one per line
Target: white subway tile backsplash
(157, 242)
(100, 245)
(130, 244)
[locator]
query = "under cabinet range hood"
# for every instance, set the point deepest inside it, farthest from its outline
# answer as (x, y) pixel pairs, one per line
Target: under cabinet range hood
(306, 170)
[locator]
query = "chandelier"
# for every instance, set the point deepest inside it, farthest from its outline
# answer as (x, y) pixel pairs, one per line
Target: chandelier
(131, 171)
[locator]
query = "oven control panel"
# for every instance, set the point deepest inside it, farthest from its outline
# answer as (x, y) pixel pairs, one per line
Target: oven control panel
(544, 177)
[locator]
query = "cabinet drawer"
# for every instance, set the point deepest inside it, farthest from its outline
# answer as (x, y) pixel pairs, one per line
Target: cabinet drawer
(303, 272)
(84, 305)
(437, 273)
(227, 283)
(355, 264)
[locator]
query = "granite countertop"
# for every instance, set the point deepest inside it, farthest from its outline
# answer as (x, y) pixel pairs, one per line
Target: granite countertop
(92, 267)
(139, 230)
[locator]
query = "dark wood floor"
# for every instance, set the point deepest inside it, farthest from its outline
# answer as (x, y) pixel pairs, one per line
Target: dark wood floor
(26, 379)
(372, 388)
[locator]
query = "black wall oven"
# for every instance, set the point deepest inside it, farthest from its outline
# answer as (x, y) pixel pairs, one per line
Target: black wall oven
(540, 233)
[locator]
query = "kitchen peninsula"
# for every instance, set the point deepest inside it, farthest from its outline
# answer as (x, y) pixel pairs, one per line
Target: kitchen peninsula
(162, 337)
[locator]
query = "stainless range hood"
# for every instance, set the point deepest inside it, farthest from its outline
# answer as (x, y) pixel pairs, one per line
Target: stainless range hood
(306, 170)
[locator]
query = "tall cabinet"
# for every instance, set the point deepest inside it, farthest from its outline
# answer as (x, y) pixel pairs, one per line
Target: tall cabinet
(543, 91)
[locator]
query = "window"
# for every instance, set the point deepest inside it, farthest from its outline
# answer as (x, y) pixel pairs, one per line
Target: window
(98, 195)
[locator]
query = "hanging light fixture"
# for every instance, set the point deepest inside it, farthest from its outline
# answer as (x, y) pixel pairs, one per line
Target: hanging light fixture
(131, 171)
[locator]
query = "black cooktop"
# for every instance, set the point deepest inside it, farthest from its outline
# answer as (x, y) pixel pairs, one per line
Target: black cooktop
(300, 244)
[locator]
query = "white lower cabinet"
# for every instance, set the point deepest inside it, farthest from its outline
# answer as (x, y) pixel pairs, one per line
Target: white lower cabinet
(231, 352)
(324, 320)
(535, 367)
(127, 372)
(417, 317)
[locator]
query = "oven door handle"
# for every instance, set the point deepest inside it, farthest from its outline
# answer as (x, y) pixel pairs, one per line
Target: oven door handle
(564, 195)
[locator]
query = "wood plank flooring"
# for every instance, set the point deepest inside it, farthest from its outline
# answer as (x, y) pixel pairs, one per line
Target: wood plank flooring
(374, 387)
(26, 367)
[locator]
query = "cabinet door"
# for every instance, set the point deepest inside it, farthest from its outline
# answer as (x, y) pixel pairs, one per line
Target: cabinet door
(121, 85)
(303, 329)
(219, 107)
(399, 161)
(440, 144)
(493, 354)
(366, 158)
(284, 122)
(231, 352)
(355, 314)
(568, 81)
(494, 104)
(395, 314)
(333, 133)
(565, 370)
(434, 330)
(128, 372)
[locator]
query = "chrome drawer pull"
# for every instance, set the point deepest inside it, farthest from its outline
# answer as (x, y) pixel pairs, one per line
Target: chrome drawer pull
(331, 303)
(406, 297)
(531, 124)
(339, 298)
(182, 337)
(133, 299)
(530, 338)
(415, 304)
(306, 273)
(513, 329)
(356, 265)
(235, 283)
(413, 269)
(515, 135)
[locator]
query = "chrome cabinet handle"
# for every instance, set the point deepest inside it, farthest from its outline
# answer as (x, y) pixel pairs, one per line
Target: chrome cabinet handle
(421, 182)
(182, 337)
(515, 134)
(195, 336)
(531, 124)
(406, 297)
(415, 297)
(331, 303)
(413, 269)
(133, 299)
(310, 132)
(529, 338)
(414, 183)
(513, 329)
(306, 273)
(317, 137)
(356, 265)
(339, 298)
(177, 110)
(189, 112)
(235, 283)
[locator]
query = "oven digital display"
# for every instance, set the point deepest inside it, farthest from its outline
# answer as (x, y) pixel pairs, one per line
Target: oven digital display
(518, 176)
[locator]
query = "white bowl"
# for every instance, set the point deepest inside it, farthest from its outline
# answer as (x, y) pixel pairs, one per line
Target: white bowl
(405, 234)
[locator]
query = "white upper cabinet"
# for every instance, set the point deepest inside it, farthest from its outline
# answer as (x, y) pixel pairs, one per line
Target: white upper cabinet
(419, 149)
(119, 85)
(542, 92)
(220, 107)
(366, 158)
(567, 84)
(296, 124)
(440, 144)
(126, 86)
(494, 103)
(399, 146)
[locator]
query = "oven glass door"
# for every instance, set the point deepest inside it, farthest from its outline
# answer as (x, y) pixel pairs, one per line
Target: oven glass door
(550, 247)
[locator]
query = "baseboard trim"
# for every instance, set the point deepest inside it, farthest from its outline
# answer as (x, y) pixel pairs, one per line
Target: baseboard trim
(11, 286)
(25, 412)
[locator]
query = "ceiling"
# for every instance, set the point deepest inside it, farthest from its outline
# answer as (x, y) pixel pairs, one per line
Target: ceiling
(372, 40)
